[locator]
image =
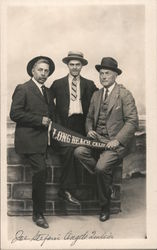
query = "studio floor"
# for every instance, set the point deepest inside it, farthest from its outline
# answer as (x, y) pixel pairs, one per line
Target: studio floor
(129, 223)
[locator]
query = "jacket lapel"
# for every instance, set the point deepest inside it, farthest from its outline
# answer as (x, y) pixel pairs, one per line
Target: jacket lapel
(113, 98)
(82, 87)
(36, 90)
(98, 103)
(66, 87)
(66, 94)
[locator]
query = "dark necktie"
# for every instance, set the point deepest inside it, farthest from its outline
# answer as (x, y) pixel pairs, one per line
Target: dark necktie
(44, 93)
(106, 94)
(74, 89)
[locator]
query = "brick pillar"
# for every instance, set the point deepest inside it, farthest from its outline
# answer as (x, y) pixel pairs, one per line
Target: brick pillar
(20, 189)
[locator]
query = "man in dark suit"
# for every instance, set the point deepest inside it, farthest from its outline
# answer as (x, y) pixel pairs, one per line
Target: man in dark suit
(32, 109)
(112, 119)
(72, 94)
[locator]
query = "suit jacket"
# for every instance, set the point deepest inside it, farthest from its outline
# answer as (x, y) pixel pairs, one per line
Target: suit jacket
(122, 118)
(27, 110)
(60, 92)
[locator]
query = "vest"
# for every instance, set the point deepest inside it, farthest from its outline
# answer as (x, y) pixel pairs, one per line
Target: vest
(101, 128)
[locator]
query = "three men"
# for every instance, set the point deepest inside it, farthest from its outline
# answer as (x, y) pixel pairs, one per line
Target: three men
(112, 118)
(72, 94)
(32, 109)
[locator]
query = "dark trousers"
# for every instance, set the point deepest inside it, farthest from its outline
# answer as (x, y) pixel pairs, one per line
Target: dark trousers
(68, 178)
(76, 123)
(38, 164)
(101, 163)
(69, 173)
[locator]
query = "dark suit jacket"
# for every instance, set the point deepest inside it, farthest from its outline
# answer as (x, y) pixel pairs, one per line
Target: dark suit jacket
(122, 118)
(60, 92)
(27, 110)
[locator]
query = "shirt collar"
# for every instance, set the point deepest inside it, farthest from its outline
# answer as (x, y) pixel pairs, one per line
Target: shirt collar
(71, 77)
(110, 88)
(38, 84)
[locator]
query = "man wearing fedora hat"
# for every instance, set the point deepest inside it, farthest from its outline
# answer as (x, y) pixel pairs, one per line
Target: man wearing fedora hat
(32, 109)
(112, 119)
(72, 94)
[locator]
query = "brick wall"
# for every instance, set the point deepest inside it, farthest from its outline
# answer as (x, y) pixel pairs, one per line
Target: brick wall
(19, 185)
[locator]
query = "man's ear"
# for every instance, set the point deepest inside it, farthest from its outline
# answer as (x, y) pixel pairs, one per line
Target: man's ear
(116, 74)
(33, 71)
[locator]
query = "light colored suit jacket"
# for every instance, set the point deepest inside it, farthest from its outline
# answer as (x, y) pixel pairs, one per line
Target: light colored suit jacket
(122, 117)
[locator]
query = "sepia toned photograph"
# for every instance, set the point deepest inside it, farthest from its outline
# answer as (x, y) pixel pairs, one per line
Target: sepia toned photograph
(78, 122)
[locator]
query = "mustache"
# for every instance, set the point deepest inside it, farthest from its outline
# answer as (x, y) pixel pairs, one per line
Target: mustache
(42, 78)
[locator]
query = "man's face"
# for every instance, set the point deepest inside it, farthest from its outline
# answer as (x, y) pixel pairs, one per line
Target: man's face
(75, 67)
(40, 72)
(107, 77)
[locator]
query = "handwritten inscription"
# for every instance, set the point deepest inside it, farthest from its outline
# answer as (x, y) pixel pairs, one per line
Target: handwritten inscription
(70, 235)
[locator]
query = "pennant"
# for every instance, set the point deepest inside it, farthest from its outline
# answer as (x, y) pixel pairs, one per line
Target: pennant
(70, 138)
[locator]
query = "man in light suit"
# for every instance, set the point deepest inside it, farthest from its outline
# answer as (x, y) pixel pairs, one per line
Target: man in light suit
(72, 94)
(32, 109)
(113, 119)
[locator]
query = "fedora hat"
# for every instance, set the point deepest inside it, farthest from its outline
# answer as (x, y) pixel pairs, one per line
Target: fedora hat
(36, 59)
(75, 55)
(108, 63)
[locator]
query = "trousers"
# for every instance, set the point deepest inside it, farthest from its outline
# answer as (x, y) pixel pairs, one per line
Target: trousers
(69, 172)
(38, 164)
(101, 163)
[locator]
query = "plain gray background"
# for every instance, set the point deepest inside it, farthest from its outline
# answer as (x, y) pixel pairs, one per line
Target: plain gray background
(98, 30)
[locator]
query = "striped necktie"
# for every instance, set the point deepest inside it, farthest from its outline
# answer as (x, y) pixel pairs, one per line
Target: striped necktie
(74, 89)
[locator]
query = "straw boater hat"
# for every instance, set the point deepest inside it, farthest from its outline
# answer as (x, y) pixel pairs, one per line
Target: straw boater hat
(36, 59)
(75, 55)
(108, 63)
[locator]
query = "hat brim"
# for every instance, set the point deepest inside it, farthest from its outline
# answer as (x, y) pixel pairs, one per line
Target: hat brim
(82, 60)
(117, 70)
(35, 59)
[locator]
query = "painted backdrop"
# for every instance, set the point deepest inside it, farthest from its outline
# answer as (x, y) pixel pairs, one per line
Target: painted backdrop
(97, 30)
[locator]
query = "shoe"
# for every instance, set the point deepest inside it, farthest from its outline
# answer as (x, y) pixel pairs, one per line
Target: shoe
(105, 214)
(66, 196)
(34, 217)
(40, 220)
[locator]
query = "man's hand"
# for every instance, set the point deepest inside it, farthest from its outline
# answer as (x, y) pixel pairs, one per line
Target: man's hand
(92, 134)
(45, 121)
(112, 144)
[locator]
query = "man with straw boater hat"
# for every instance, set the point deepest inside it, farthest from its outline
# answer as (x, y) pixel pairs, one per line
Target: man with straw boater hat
(112, 118)
(32, 109)
(72, 95)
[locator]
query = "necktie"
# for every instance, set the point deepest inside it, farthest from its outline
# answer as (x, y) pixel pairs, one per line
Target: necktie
(74, 89)
(44, 93)
(106, 94)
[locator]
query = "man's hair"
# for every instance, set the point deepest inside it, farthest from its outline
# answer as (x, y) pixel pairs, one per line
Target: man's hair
(41, 61)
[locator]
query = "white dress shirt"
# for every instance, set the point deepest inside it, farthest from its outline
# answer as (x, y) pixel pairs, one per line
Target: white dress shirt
(75, 107)
(109, 90)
